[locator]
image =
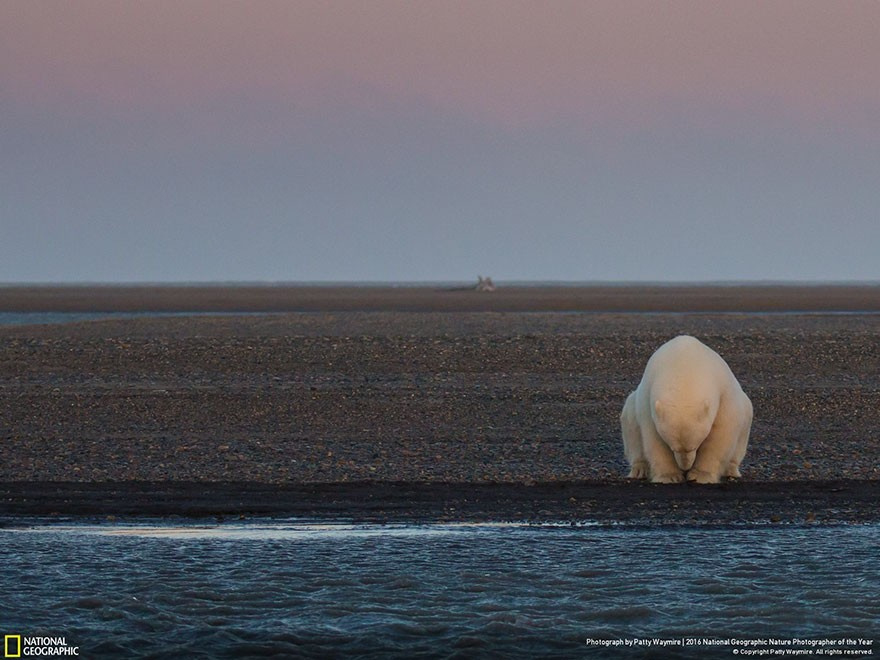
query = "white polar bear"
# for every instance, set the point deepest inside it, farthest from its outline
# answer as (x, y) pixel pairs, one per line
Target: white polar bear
(688, 416)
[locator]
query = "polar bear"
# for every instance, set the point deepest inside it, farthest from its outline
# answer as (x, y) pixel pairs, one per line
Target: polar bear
(688, 418)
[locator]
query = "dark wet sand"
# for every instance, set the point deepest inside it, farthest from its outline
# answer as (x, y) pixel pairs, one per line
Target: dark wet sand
(641, 503)
(433, 415)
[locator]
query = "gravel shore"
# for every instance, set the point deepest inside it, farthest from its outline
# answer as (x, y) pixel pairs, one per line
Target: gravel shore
(390, 396)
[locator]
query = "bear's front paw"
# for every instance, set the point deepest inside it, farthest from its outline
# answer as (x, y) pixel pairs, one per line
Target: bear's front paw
(639, 471)
(702, 477)
(668, 478)
(733, 472)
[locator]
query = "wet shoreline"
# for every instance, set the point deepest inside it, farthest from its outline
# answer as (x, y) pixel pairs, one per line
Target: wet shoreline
(732, 503)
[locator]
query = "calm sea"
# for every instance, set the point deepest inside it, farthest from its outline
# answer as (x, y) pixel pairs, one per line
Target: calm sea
(52, 318)
(46, 318)
(300, 590)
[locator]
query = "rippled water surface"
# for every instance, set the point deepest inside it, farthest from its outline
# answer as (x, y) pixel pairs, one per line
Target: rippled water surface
(432, 591)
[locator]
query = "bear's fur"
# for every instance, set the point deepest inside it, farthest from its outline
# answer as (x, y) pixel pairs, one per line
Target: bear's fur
(688, 418)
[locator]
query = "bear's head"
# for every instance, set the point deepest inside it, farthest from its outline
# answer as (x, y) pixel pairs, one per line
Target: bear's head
(683, 428)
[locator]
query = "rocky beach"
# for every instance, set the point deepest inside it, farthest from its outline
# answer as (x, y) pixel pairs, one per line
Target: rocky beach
(478, 410)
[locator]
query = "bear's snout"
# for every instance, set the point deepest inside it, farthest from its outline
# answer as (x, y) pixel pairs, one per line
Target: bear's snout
(685, 459)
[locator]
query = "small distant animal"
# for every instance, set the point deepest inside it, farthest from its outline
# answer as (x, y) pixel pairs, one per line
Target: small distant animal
(484, 284)
(688, 418)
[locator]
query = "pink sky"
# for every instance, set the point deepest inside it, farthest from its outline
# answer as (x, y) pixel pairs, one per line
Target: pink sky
(513, 63)
(435, 140)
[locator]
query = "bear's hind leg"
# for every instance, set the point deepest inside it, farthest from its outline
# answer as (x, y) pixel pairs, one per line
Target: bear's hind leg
(639, 470)
(742, 443)
(632, 441)
(732, 471)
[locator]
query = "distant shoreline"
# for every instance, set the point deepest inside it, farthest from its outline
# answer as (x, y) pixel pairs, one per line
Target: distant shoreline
(716, 298)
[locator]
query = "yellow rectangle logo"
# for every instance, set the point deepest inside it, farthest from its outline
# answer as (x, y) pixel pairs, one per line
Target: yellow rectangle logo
(16, 644)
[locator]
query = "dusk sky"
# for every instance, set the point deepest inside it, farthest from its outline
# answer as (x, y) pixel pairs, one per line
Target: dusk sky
(423, 141)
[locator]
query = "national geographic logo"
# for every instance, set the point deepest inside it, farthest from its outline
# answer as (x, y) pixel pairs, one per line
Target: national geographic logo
(17, 646)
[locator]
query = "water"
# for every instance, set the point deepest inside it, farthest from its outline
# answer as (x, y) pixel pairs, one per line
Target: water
(433, 591)
(44, 318)
(54, 318)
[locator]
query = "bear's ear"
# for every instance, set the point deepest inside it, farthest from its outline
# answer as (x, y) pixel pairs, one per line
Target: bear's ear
(658, 408)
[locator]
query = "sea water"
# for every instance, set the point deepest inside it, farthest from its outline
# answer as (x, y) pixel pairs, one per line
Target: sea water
(56, 318)
(305, 590)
